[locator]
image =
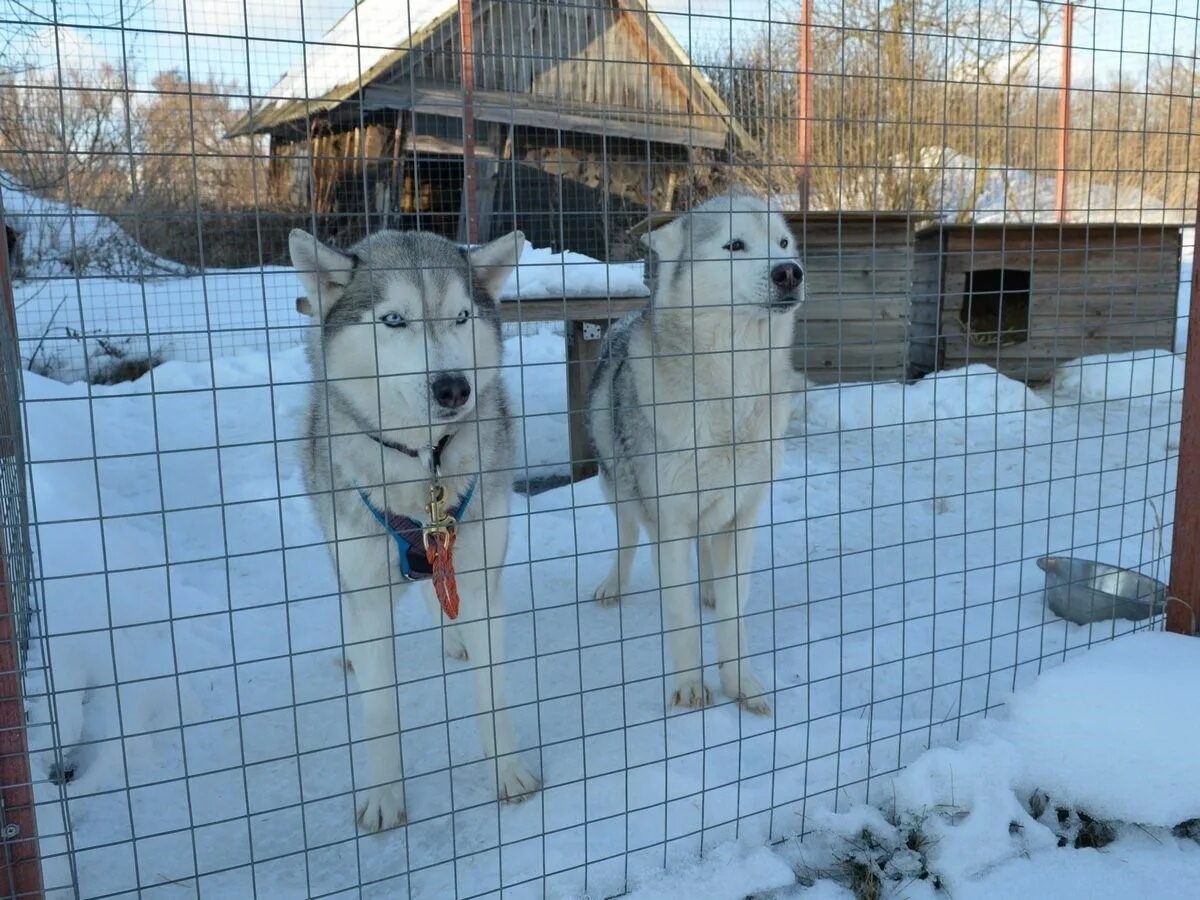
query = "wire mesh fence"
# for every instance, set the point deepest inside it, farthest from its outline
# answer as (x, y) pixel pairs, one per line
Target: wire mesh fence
(875, 421)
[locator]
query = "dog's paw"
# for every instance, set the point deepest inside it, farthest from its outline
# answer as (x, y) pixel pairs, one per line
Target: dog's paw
(452, 643)
(692, 693)
(608, 593)
(708, 595)
(516, 783)
(381, 808)
(738, 682)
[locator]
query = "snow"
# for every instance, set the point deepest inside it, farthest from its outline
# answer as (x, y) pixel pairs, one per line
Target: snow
(1137, 868)
(185, 661)
(543, 273)
(89, 295)
(1118, 758)
(189, 607)
(368, 32)
(1019, 195)
(61, 241)
(1097, 735)
(1116, 376)
(730, 872)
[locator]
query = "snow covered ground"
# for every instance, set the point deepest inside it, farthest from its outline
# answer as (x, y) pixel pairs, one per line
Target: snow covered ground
(1051, 797)
(92, 297)
(188, 634)
(192, 630)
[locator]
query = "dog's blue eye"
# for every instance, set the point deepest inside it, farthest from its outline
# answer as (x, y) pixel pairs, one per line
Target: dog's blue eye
(735, 246)
(462, 317)
(394, 320)
(784, 243)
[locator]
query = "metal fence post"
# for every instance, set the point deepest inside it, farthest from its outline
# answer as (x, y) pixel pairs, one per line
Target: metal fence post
(1183, 612)
(21, 874)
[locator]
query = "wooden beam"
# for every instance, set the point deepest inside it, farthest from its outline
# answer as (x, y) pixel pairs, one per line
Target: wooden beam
(396, 183)
(550, 309)
(517, 109)
(427, 143)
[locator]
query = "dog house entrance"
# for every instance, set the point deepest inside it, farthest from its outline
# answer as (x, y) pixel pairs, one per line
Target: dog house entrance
(995, 306)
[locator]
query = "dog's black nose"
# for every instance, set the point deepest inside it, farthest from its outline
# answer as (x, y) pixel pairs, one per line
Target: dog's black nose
(787, 276)
(450, 391)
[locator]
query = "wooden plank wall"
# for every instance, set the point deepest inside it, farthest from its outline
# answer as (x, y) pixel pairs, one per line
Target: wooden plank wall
(1093, 290)
(924, 351)
(582, 56)
(1102, 290)
(855, 323)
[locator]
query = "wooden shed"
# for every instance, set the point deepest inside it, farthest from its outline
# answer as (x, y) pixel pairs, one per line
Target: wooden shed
(1025, 298)
(584, 116)
(855, 321)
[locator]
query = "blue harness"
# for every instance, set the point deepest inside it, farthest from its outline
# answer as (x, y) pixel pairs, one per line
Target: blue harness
(408, 533)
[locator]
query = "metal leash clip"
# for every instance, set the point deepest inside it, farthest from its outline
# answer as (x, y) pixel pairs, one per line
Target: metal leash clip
(440, 525)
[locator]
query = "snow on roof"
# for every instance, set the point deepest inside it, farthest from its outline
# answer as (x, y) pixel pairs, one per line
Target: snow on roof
(361, 39)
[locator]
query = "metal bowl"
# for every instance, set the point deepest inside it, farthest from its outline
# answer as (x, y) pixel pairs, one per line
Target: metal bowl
(1082, 591)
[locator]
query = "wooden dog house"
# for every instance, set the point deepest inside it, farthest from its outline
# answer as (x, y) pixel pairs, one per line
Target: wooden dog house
(1025, 298)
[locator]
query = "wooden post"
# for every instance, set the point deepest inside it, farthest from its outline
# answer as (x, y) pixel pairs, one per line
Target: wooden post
(804, 124)
(1183, 611)
(583, 354)
(466, 31)
(396, 182)
(20, 863)
(1064, 113)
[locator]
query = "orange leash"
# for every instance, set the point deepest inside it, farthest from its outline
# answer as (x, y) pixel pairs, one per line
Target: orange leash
(439, 546)
(445, 585)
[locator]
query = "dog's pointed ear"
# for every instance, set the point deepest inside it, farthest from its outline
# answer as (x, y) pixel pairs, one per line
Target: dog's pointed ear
(492, 263)
(666, 241)
(323, 271)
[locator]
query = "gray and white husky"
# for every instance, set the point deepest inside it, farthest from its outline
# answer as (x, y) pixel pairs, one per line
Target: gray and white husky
(406, 386)
(687, 411)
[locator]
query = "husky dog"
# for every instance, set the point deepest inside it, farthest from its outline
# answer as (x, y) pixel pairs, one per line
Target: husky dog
(407, 389)
(686, 411)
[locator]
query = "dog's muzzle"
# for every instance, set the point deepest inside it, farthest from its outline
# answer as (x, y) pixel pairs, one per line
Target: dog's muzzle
(783, 304)
(450, 392)
(786, 279)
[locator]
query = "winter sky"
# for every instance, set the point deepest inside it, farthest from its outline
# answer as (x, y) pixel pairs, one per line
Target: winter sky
(252, 43)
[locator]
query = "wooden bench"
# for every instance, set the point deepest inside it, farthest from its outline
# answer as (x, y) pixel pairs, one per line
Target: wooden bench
(586, 319)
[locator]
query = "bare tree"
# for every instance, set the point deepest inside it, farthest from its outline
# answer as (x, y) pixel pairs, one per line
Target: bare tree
(64, 127)
(894, 84)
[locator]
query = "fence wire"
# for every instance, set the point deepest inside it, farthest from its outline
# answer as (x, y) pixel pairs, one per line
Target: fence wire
(981, 388)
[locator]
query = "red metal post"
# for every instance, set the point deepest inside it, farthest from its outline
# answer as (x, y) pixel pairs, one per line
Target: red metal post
(1064, 112)
(20, 863)
(466, 32)
(804, 99)
(1183, 613)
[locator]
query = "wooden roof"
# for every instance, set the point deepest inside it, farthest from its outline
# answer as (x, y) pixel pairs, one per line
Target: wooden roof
(393, 48)
(993, 230)
(793, 217)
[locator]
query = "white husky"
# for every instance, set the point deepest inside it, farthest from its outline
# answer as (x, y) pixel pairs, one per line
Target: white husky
(687, 412)
(407, 390)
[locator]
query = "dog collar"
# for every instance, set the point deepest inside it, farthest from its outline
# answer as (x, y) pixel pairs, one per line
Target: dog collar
(436, 450)
(409, 534)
